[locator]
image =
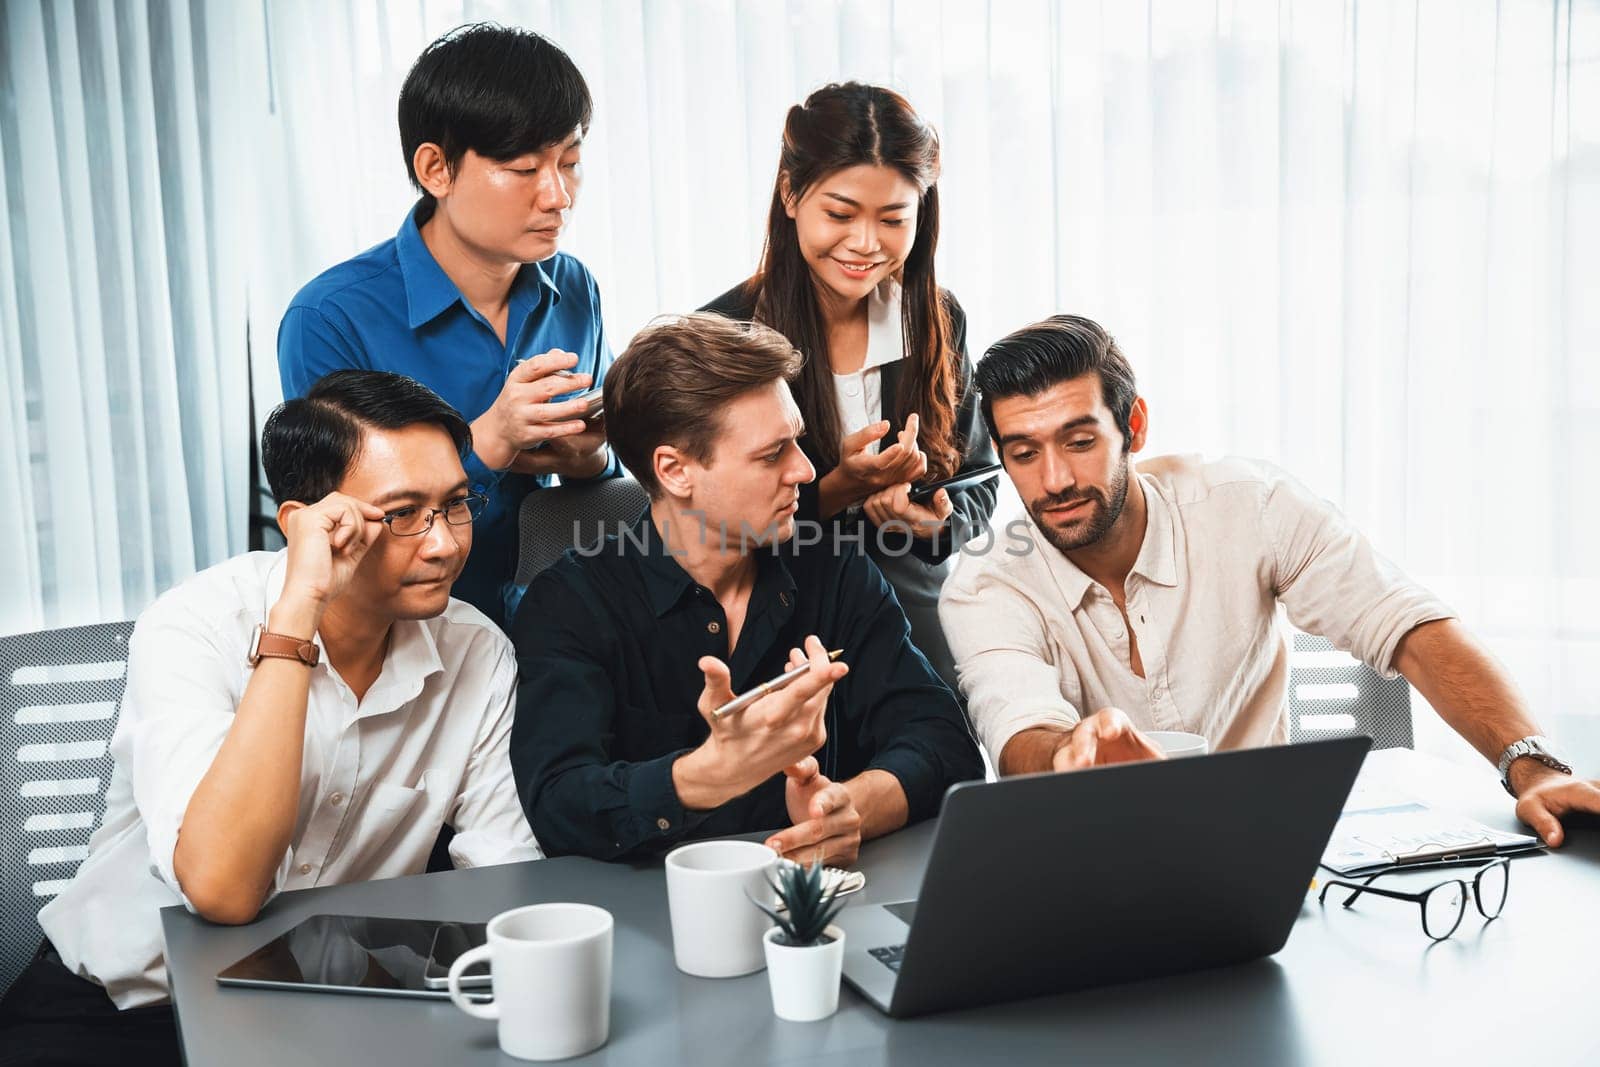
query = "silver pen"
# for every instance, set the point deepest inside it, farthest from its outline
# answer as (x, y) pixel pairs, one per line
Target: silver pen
(744, 700)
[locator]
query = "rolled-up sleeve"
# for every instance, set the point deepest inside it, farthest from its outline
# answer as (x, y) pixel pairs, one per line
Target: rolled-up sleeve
(1003, 657)
(176, 710)
(488, 818)
(904, 714)
(1333, 583)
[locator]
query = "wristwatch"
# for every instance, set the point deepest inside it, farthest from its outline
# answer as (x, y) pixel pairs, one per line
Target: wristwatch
(1536, 747)
(267, 645)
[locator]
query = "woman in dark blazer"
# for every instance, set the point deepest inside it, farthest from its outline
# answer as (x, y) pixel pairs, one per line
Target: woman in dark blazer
(886, 391)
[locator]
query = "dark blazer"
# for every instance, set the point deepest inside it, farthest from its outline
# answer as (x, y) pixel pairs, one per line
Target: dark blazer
(972, 507)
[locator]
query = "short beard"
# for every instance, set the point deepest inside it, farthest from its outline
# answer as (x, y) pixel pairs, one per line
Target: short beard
(1104, 513)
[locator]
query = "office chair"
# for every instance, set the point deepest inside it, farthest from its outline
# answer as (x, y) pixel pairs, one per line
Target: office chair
(1333, 694)
(59, 692)
(579, 514)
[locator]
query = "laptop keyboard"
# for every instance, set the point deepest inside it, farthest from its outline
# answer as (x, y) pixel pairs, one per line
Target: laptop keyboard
(889, 955)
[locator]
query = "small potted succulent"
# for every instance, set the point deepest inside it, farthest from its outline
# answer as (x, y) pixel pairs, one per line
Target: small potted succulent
(805, 954)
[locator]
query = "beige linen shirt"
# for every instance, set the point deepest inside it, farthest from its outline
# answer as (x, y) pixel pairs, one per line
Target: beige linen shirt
(1037, 642)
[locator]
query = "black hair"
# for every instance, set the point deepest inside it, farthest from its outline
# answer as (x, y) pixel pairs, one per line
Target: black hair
(310, 443)
(838, 127)
(500, 91)
(1060, 348)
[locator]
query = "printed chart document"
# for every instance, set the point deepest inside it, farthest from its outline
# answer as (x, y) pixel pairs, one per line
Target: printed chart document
(1382, 828)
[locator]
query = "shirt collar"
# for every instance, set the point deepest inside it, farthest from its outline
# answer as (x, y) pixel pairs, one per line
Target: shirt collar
(886, 342)
(1157, 560)
(429, 290)
(1073, 583)
(413, 653)
(412, 658)
(666, 582)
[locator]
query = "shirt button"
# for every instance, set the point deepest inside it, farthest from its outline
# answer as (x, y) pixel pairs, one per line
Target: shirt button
(713, 627)
(783, 598)
(851, 388)
(663, 824)
(305, 868)
(336, 799)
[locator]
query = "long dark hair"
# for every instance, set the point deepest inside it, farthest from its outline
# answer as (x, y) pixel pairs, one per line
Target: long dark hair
(843, 126)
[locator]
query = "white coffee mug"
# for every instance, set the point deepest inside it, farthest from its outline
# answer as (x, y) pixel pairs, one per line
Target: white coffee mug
(1176, 743)
(550, 966)
(716, 930)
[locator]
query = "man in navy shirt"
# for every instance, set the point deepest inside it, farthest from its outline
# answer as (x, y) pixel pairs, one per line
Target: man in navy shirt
(471, 297)
(624, 652)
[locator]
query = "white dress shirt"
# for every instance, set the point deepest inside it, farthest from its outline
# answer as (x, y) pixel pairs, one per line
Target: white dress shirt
(1037, 642)
(426, 746)
(860, 394)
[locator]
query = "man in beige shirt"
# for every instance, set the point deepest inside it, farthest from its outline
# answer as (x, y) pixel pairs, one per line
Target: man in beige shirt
(1152, 595)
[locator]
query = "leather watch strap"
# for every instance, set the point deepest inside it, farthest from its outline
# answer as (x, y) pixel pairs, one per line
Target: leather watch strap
(268, 645)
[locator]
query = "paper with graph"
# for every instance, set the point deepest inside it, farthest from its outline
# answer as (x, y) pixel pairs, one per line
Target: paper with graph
(1381, 828)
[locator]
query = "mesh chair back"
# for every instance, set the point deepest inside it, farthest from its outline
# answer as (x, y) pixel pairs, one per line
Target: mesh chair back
(59, 691)
(576, 515)
(1333, 694)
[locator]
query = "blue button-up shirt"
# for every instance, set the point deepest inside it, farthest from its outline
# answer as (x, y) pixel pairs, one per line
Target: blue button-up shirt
(393, 308)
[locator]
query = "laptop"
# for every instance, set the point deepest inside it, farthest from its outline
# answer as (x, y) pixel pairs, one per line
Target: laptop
(1047, 883)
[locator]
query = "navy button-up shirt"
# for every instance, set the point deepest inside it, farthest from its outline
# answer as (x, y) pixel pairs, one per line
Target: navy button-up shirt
(607, 646)
(393, 308)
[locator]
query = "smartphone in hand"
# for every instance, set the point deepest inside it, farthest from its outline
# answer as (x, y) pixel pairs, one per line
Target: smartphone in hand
(923, 492)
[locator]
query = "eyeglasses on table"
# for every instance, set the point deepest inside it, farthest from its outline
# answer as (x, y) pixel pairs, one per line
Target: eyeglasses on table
(1442, 905)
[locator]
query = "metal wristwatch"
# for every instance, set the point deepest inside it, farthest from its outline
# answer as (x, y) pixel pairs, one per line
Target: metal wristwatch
(1536, 747)
(267, 645)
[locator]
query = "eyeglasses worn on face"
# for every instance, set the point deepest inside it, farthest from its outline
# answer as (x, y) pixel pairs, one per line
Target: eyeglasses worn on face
(1442, 905)
(414, 520)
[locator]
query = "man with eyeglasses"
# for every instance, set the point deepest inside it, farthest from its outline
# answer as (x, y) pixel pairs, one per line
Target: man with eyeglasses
(306, 717)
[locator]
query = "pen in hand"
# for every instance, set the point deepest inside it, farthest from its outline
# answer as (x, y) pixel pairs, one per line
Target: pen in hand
(744, 700)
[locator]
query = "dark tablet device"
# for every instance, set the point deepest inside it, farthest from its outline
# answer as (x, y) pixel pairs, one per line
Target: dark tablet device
(450, 941)
(351, 954)
(921, 494)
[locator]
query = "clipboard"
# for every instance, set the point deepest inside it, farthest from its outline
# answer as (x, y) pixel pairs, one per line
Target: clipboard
(1379, 832)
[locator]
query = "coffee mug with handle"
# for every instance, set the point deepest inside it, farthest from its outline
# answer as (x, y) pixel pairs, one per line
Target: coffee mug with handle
(1178, 743)
(716, 929)
(550, 965)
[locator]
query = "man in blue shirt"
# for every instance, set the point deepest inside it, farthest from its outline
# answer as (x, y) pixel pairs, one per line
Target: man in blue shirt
(471, 297)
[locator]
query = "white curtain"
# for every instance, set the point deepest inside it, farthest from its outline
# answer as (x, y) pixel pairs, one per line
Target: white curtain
(123, 451)
(1343, 235)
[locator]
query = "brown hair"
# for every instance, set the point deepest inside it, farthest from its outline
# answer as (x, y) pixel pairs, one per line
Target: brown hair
(842, 126)
(670, 385)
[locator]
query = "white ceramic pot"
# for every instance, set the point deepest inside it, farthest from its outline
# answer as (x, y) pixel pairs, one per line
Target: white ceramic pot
(805, 981)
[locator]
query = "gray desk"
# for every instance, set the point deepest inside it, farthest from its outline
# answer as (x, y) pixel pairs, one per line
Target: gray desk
(1355, 987)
